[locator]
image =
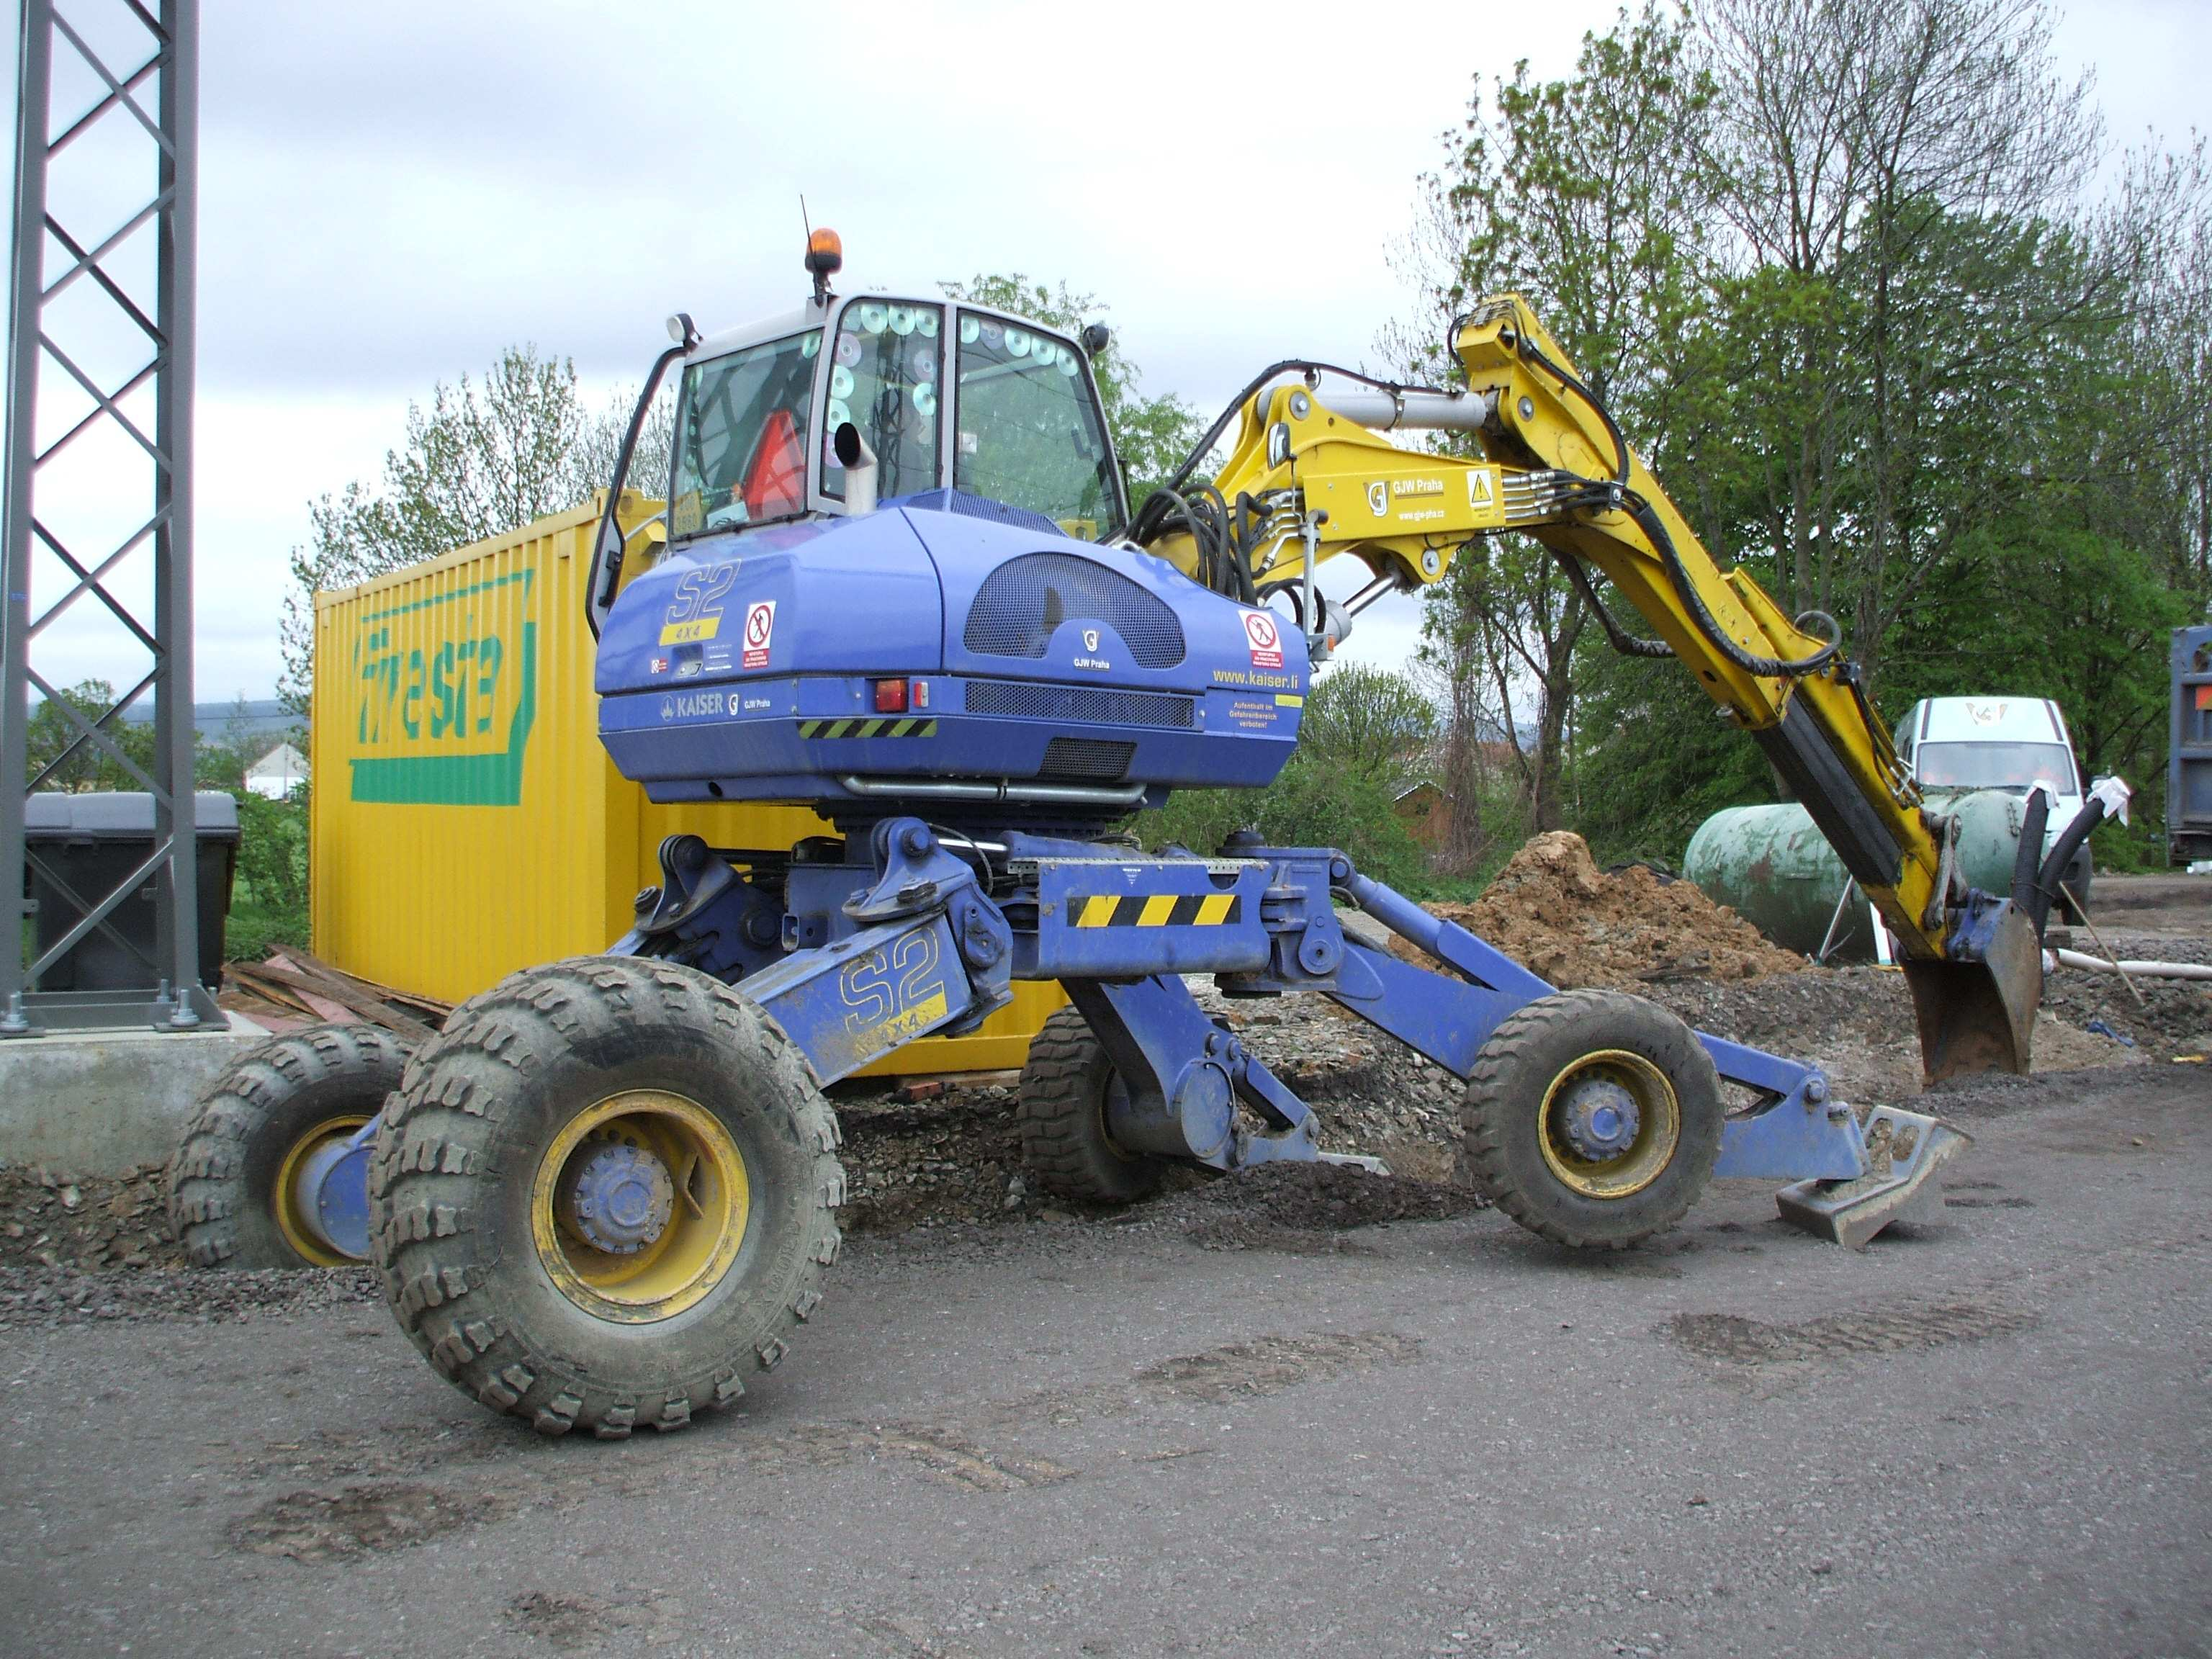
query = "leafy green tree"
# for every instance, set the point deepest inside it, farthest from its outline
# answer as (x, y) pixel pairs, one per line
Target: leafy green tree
(1150, 435)
(269, 900)
(1315, 802)
(65, 759)
(1369, 720)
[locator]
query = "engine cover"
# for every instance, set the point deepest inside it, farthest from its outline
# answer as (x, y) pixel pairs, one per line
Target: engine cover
(745, 667)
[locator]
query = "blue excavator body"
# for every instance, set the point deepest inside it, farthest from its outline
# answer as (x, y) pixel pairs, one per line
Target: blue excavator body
(944, 648)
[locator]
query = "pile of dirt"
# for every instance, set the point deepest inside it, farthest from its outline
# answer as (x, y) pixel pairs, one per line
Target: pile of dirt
(1374, 1094)
(1554, 911)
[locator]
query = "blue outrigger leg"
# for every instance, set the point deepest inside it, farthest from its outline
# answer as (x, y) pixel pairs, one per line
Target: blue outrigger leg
(925, 933)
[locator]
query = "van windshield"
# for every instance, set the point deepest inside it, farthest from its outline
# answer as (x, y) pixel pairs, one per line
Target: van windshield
(1994, 766)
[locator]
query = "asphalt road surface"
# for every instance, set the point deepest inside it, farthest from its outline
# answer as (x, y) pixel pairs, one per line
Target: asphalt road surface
(1079, 1438)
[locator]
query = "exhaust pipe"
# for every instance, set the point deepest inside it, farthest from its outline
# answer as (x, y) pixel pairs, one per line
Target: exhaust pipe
(859, 463)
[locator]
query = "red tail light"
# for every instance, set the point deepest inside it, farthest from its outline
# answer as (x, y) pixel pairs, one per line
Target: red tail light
(890, 696)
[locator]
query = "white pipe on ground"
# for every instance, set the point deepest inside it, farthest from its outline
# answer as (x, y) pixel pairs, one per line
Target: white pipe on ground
(2148, 969)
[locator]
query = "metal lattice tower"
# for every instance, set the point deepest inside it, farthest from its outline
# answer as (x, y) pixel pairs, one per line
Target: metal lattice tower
(74, 392)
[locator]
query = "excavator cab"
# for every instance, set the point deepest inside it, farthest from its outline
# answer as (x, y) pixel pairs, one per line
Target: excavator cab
(938, 392)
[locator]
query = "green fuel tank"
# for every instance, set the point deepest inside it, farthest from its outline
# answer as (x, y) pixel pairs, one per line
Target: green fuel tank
(1774, 868)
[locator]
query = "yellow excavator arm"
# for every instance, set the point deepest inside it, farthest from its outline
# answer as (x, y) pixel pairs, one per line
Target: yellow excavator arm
(1307, 479)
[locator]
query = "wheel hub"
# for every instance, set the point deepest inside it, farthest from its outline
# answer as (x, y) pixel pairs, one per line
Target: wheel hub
(1599, 1119)
(620, 1200)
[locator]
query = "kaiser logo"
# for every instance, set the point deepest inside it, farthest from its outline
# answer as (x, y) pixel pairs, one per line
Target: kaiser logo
(1378, 500)
(760, 629)
(668, 708)
(1267, 642)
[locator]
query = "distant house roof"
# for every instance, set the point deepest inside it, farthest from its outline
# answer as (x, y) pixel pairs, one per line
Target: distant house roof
(282, 762)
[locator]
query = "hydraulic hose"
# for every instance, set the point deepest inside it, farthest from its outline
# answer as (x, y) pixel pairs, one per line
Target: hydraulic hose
(2062, 854)
(1622, 642)
(1205, 445)
(1686, 590)
(1678, 575)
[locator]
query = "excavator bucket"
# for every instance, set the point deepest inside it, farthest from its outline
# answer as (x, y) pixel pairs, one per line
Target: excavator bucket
(1904, 1151)
(1977, 1010)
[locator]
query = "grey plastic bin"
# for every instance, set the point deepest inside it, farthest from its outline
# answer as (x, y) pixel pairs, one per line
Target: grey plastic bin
(94, 842)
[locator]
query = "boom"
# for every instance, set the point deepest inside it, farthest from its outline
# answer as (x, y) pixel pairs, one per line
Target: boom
(1307, 480)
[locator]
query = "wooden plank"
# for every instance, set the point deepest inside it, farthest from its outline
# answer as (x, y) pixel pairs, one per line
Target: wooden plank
(336, 989)
(308, 962)
(295, 997)
(267, 989)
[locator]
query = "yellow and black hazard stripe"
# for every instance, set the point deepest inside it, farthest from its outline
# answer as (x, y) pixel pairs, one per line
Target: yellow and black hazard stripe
(905, 728)
(1160, 910)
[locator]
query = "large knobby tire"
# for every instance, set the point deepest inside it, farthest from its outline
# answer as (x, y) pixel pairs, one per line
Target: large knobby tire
(230, 1200)
(1062, 1113)
(477, 1212)
(1589, 1051)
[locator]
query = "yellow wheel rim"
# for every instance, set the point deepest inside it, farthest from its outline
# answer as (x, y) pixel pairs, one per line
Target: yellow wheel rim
(1606, 1076)
(289, 1222)
(689, 1252)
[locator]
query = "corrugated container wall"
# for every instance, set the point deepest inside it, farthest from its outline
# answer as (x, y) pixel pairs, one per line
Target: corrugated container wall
(465, 821)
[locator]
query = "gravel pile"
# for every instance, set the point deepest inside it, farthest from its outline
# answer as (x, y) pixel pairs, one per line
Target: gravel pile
(2175, 1016)
(1305, 1209)
(955, 1159)
(51, 1218)
(45, 1297)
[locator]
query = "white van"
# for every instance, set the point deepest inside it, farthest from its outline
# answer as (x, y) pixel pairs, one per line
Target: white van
(1956, 743)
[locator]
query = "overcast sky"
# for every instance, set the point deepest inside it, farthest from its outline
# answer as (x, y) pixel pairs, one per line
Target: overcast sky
(391, 193)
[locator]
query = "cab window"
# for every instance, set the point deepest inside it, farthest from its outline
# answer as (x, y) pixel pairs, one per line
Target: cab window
(740, 436)
(1030, 432)
(884, 368)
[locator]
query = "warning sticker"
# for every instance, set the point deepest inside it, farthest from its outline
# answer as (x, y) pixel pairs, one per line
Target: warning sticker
(760, 627)
(1266, 643)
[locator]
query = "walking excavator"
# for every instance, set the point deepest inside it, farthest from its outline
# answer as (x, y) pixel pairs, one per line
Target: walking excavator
(898, 580)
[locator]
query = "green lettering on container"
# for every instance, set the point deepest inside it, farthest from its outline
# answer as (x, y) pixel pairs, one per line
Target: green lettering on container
(464, 678)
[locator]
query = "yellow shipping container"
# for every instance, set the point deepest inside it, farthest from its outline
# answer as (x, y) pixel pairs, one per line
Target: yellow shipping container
(465, 821)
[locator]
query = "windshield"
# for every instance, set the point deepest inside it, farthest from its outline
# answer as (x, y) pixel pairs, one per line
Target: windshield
(740, 452)
(1994, 766)
(1030, 433)
(884, 374)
